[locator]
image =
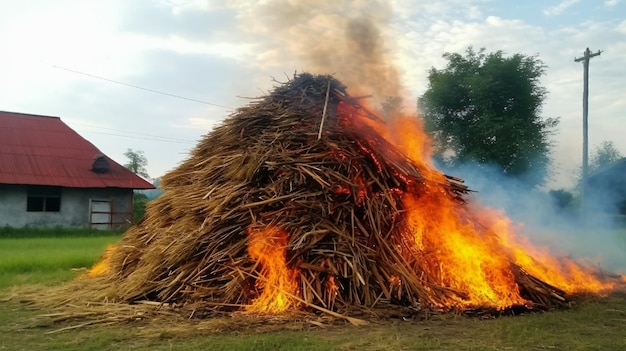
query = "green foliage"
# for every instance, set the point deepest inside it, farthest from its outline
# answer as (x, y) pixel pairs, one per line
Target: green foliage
(54, 232)
(137, 162)
(485, 108)
(562, 198)
(139, 206)
(604, 155)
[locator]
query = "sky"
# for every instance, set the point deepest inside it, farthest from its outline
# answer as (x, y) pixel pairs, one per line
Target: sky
(158, 75)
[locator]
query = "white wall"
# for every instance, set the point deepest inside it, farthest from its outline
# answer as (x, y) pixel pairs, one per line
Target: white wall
(74, 206)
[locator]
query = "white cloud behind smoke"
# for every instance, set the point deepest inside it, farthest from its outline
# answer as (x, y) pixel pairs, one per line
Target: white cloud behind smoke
(219, 51)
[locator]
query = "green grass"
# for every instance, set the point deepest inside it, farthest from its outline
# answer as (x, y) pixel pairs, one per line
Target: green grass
(48, 260)
(55, 232)
(596, 324)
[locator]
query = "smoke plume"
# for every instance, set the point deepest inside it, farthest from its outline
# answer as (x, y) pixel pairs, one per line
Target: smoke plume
(353, 40)
(349, 39)
(539, 218)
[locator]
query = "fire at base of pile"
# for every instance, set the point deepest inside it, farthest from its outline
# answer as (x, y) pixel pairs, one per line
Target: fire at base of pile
(299, 201)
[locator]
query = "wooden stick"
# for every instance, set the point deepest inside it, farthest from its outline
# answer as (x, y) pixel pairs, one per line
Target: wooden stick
(352, 320)
(319, 135)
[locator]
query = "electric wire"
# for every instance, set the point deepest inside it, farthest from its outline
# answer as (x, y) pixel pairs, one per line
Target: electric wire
(142, 138)
(142, 135)
(140, 88)
(138, 135)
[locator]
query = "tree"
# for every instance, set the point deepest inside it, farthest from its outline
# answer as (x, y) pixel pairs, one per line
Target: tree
(561, 197)
(139, 206)
(137, 162)
(486, 108)
(604, 155)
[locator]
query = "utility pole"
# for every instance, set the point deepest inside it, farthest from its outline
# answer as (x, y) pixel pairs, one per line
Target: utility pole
(583, 186)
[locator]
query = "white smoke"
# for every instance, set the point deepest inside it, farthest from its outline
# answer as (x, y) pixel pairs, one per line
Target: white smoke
(596, 239)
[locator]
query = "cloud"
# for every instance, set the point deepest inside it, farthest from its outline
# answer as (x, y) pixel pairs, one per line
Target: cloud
(611, 3)
(278, 37)
(214, 51)
(558, 9)
(198, 21)
(349, 39)
(201, 123)
(424, 39)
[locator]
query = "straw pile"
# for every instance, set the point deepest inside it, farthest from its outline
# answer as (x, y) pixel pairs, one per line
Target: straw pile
(334, 195)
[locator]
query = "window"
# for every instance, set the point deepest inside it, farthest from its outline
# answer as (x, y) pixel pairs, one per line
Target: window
(43, 199)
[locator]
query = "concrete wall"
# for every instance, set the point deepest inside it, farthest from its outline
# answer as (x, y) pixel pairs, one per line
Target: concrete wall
(74, 207)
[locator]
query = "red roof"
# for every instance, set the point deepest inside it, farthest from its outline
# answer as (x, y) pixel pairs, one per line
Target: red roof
(42, 150)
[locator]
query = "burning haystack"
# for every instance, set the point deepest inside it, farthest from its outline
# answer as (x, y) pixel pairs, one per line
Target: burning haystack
(301, 201)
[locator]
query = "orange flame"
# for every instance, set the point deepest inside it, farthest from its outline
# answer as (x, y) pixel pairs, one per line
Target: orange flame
(470, 249)
(102, 267)
(268, 247)
(331, 287)
(562, 273)
(332, 290)
(457, 253)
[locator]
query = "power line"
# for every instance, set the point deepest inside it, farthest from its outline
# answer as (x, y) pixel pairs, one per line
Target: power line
(150, 136)
(143, 138)
(141, 88)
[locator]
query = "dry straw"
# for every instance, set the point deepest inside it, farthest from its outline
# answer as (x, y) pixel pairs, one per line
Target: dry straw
(266, 166)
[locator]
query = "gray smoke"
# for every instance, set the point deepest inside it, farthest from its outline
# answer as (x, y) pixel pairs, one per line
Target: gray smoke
(348, 39)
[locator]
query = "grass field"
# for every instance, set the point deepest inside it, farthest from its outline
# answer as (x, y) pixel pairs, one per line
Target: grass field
(47, 260)
(50, 259)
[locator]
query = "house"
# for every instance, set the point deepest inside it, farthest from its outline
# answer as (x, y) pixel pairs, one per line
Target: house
(607, 188)
(51, 176)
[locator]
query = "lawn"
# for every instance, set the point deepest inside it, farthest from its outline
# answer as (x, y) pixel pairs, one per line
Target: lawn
(48, 260)
(593, 324)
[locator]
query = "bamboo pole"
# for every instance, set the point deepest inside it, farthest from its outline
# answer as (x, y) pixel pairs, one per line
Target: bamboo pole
(319, 135)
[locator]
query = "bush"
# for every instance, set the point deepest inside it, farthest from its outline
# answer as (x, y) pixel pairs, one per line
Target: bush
(139, 206)
(562, 198)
